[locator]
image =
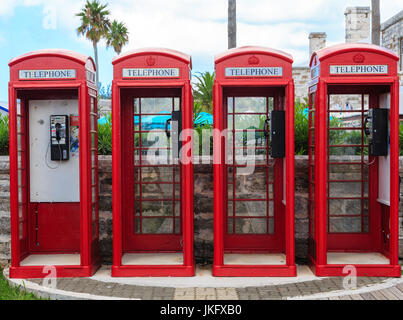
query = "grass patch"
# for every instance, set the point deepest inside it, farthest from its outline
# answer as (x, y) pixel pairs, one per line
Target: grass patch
(8, 292)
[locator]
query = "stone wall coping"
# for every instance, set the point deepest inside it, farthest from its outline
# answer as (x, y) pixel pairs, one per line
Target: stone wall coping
(201, 160)
(396, 18)
(357, 10)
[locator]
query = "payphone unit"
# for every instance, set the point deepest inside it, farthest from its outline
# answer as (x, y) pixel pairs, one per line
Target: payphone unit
(277, 134)
(60, 140)
(377, 130)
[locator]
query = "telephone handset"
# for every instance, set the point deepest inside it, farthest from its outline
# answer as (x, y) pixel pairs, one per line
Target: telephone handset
(376, 128)
(274, 127)
(174, 132)
(59, 137)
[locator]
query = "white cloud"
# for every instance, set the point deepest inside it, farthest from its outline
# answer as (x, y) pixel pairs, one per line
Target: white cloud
(198, 27)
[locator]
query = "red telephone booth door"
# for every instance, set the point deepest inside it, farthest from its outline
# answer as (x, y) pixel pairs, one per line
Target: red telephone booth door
(254, 210)
(153, 210)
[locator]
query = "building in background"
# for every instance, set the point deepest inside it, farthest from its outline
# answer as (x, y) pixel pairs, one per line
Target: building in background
(358, 29)
(392, 38)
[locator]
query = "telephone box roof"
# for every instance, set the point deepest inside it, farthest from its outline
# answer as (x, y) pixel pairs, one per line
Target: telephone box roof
(78, 57)
(347, 47)
(253, 50)
(155, 51)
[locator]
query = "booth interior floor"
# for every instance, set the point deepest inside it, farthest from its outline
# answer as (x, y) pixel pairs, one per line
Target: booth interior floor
(361, 258)
(51, 260)
(254, 259)
(152, 259)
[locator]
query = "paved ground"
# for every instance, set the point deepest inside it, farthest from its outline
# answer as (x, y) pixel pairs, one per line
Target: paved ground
(321, 289)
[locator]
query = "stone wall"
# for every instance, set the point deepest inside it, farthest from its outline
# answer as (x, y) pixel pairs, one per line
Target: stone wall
(392, 36)
(203, 202)
(358, 24)
(301, 76)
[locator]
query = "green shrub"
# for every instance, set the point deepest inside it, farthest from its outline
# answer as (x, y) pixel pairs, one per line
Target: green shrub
(301, 127)
(4, 135)
(105, 136)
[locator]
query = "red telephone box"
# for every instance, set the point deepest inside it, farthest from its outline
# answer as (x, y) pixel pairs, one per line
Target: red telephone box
(354, 161)
(152, 113)
(254, 163)
(53, 165)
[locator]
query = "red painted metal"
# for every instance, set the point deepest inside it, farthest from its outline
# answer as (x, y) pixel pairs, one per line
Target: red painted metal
(279, 90)
(73, 217)
(322, 239)
(127, 239)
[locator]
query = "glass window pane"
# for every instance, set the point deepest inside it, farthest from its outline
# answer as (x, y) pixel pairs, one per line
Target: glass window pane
(250, 122)
(155, 226)
(230, 104)
(351, 102)
(251, 186)
(345, 207)
(345, 189)
(177, 104)
(156, 208)
(250, 226)
(156, 105)
(345, 224)
(251, 208)
(347, 137)
(347, 172)
(250, 105)
(155, 174)
(156, 191)
(177, 226)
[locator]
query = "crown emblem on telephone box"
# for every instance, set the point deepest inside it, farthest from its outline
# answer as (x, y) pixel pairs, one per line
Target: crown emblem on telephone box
(359, 58)
(253, 60)
(150, 61)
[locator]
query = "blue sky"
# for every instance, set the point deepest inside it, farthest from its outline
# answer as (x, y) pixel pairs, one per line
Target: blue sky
(197, 27)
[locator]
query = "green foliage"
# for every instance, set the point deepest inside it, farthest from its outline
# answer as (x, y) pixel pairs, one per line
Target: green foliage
(301, 127)
(4, 135)
(117, 36)
(94, 21)
(8, 292)
(203, 92)
(105, 136)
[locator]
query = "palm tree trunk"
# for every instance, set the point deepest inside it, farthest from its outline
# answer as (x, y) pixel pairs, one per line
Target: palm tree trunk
(376, 22)
(96, 62)
(231, 24)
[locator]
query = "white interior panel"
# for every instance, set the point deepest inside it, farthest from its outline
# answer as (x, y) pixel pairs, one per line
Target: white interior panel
(401, 99)
(51, 181)
(384, 162)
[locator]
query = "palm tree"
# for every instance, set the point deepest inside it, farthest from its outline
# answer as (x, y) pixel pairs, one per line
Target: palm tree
(204, 90)
(231, 24)
(117, 36)
(94, 25)
(376, 22)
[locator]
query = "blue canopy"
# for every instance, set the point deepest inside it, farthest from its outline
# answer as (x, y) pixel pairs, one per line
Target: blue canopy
(159, 121)
(204, 118)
